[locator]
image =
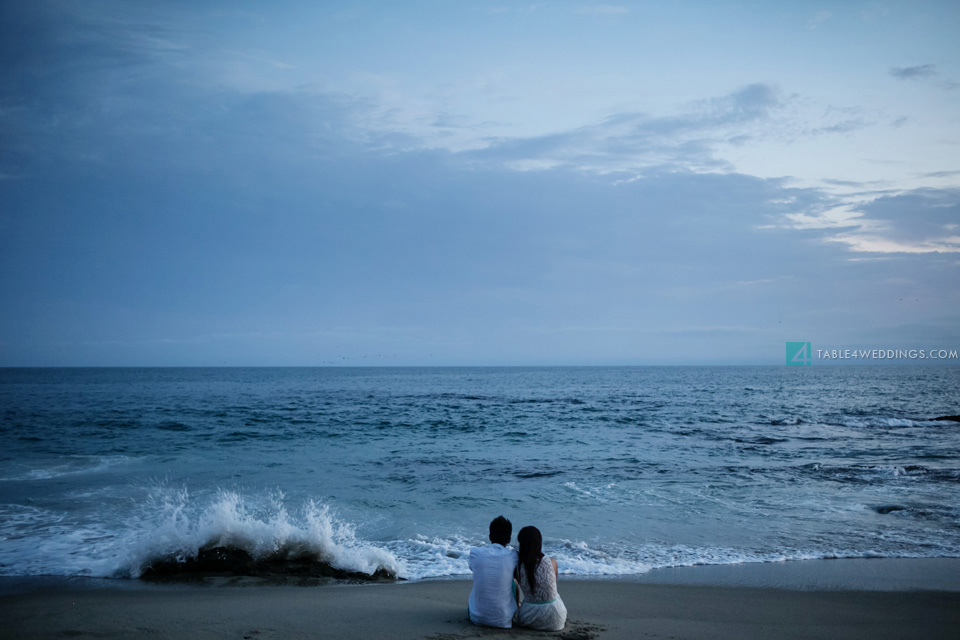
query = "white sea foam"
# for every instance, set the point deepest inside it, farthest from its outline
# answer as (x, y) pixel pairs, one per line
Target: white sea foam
(432, 557)
(601, 494)
(171, 525)
(892, 423)
(174, 526)
(69, 466)
(424, 557)
(38, 541)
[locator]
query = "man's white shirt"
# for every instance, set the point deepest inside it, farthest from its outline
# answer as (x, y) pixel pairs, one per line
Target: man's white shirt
(492, 601)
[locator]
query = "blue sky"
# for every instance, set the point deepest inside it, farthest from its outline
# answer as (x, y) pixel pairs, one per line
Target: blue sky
(473, 183)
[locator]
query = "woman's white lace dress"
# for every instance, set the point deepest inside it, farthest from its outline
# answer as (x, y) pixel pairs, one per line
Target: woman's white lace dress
(542, 607)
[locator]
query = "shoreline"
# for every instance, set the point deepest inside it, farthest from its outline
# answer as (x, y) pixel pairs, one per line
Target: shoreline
(606, 608)
(820, 574)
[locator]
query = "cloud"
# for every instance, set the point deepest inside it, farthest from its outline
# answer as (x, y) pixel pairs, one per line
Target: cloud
(628, 141)
(912, 73)
(154, 205)
(921, 221)
(276, 214)
(821, 17)
(844, 126)
(604, 9)
(700, 136)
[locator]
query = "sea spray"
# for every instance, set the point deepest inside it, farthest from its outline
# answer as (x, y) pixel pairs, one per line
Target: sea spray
(177, 530)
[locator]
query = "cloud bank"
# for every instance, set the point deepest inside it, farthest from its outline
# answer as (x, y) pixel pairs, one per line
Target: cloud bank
(154, 213)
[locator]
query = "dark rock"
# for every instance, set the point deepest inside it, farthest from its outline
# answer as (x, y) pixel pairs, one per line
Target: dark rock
(211, 561)
(231, 561)
(950, 418)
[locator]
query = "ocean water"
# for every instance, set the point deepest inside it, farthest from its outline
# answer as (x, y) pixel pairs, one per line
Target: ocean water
(105, 471)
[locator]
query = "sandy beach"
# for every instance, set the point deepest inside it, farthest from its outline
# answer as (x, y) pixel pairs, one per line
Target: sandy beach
(435, 610)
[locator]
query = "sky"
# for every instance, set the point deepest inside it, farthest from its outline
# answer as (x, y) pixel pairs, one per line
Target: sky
(475, 183)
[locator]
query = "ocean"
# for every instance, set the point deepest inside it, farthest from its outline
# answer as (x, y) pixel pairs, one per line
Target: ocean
(625, 469)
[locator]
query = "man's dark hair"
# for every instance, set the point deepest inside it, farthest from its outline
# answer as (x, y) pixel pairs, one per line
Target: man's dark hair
(500, 530)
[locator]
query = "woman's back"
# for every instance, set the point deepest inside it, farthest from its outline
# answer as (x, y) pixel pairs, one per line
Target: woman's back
(545, 588)
(542, 607)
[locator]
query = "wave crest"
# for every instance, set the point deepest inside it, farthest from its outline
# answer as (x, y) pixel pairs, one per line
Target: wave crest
(250, 536)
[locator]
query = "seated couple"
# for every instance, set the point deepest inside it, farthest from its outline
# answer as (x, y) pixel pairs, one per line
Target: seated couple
(497, 570)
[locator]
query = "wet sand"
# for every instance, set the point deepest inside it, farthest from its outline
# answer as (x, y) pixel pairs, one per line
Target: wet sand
(436, 610)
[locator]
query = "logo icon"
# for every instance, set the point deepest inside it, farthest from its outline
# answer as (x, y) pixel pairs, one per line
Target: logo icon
(799, 354)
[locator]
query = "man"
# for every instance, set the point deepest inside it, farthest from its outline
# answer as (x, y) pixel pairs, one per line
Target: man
(493, 600)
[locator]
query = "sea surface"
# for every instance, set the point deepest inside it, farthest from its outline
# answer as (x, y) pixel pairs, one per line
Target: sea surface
(105, 471)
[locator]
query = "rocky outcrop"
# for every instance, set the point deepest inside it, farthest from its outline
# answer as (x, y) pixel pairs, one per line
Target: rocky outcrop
(232, 561)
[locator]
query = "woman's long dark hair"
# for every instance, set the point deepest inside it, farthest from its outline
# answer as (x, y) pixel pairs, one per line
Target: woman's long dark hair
(530, 553)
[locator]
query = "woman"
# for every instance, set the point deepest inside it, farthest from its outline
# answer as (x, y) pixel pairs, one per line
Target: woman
(542, 608)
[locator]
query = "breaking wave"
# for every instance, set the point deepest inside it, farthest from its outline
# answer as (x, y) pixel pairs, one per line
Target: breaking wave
(250, 536)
